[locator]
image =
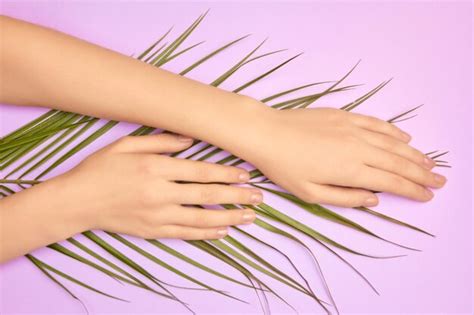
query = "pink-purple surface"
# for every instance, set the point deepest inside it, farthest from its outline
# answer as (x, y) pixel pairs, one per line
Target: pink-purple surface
(425, 46)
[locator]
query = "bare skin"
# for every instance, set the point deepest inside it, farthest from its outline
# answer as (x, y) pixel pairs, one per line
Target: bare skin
(320, 155)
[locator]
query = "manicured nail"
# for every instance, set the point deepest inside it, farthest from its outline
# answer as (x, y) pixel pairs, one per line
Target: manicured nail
(428, 163)
(248, 216)
(244, 177)
(256, 198)
(371, 201)
(429, 193)
(222, 232)
(440, 179)
(406, 136)
(184, 138)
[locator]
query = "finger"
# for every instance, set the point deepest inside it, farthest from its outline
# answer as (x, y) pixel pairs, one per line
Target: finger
(204, 172)
(159, 143)
(339, 196)
(398, 165)
(398, 147)
(381, 126)
(212, 194)
(188, 233)
(383, 181)
(206, 218)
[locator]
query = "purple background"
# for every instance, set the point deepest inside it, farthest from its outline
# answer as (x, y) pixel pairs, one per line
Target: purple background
(425, 46)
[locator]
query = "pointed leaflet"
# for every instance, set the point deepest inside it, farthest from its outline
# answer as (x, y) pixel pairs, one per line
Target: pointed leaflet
(325, 213)
(393, 220)
(134, 281)
(162, 57)
(212, 54)
(44, 265)
(24, 140)
(26, 127)
(193, 262)
(311, 232)
(274, 229)
(50, 146)
(147, 51)
(167, 266)
(365, 97)
(244, 86)
(234, 242)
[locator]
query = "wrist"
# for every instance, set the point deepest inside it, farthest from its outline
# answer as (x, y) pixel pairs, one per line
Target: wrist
(70, 213)
(246, 126)
(36, 217)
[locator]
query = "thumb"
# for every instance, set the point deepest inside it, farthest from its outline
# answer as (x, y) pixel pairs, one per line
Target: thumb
(158, 143)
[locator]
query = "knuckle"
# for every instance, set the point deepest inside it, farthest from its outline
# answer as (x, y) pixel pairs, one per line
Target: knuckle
(348, 202)
(234, 217)
(334, 115)
(390, 144)
(207, 195)
(150, 234)
(162, 233)
(393, 128)
(167, 232)
(349, 199)
(418, 156)
(200, 218)
(208, 234)
(203, 172)
(371, 121)
(221, 173)
(231, 173)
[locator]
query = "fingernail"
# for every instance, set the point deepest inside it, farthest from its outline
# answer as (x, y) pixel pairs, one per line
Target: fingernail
(222, 232)
(184, 138)
(371, 201)
(440, 179)
(248, 216)
(406, 136)
(256, 198)
(429, 193)
(244, 177)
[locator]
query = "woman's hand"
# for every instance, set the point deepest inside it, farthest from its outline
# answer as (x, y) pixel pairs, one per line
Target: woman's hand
(127, 187)
(335, 157)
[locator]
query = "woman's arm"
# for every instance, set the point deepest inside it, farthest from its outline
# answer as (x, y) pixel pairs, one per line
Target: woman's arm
(320, 155)
(43, 67)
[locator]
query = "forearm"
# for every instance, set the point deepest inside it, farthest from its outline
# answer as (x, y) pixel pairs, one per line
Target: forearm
(34, 218)
(43, 67)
